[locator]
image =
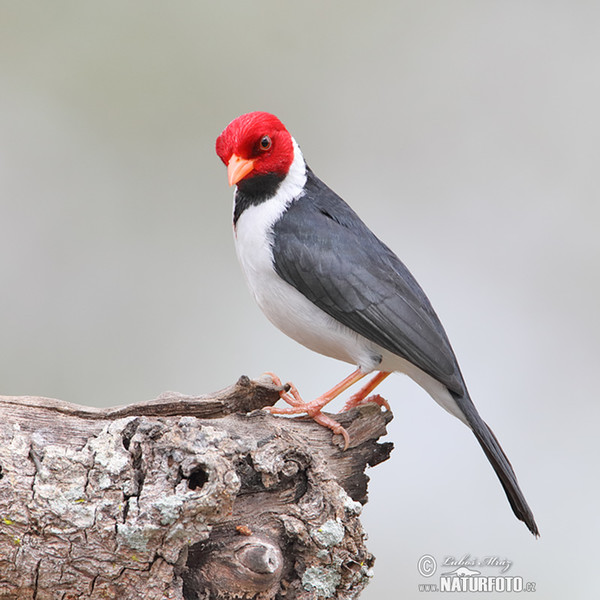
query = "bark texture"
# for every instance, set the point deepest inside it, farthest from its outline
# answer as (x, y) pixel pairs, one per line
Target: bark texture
(183, 498)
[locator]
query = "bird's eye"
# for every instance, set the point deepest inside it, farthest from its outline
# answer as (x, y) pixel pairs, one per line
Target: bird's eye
(265, 142)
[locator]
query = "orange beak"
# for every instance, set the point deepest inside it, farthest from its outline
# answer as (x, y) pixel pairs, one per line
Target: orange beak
(238, 168)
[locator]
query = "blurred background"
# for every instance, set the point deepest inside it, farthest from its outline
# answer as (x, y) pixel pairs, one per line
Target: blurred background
(466, 134)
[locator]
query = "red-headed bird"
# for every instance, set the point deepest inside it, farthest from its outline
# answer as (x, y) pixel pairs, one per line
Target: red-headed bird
(323, 278)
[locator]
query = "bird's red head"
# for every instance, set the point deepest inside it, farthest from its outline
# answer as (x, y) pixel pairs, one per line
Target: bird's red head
(255, 144)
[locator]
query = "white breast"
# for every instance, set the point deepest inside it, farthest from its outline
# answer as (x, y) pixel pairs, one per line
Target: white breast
(282, 304)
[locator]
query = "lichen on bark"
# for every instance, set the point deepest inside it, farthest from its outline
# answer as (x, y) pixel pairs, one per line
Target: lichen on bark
(182, 498)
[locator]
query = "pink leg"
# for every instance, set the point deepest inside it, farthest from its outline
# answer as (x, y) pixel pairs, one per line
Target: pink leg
(361, 396)
(313, 409)
(299, 406)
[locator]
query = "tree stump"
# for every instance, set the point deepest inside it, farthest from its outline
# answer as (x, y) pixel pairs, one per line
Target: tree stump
(183, 498)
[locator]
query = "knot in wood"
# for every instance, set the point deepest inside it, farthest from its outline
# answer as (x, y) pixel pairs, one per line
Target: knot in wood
(236, 566)
(260, 556)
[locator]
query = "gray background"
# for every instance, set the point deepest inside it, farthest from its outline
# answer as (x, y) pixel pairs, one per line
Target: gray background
(466, 134)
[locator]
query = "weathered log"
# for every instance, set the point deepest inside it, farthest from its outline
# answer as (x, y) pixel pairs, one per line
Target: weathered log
(183, 498)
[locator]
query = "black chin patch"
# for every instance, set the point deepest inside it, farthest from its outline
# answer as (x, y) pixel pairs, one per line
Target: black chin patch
(255, 190)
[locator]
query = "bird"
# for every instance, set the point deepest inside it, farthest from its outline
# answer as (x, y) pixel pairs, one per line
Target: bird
(323, 278)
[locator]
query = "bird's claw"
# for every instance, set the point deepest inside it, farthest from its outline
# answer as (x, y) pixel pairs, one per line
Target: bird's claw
(285, 387)
(298, 406)
(375, 398)
(335, 427)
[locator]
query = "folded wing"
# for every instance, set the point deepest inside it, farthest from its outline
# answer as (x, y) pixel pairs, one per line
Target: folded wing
(327, 253)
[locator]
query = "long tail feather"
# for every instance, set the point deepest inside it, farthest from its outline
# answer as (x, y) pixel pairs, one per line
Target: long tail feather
(498, 459)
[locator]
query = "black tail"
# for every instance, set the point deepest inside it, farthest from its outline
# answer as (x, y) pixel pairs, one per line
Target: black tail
(486, 438)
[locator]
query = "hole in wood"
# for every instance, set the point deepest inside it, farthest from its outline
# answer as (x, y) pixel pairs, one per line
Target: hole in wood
(198, 477)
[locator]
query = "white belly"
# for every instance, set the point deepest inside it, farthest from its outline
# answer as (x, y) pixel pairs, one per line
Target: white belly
(282, 304)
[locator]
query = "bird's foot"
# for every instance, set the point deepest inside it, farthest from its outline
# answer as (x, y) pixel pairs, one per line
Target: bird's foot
(358, 401)
(288, 394)
(298, 406)
(361, 396)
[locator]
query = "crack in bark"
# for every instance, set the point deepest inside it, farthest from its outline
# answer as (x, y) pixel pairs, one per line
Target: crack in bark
(35, 579)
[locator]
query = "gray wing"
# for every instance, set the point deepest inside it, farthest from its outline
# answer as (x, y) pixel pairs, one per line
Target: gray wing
(323, 249)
